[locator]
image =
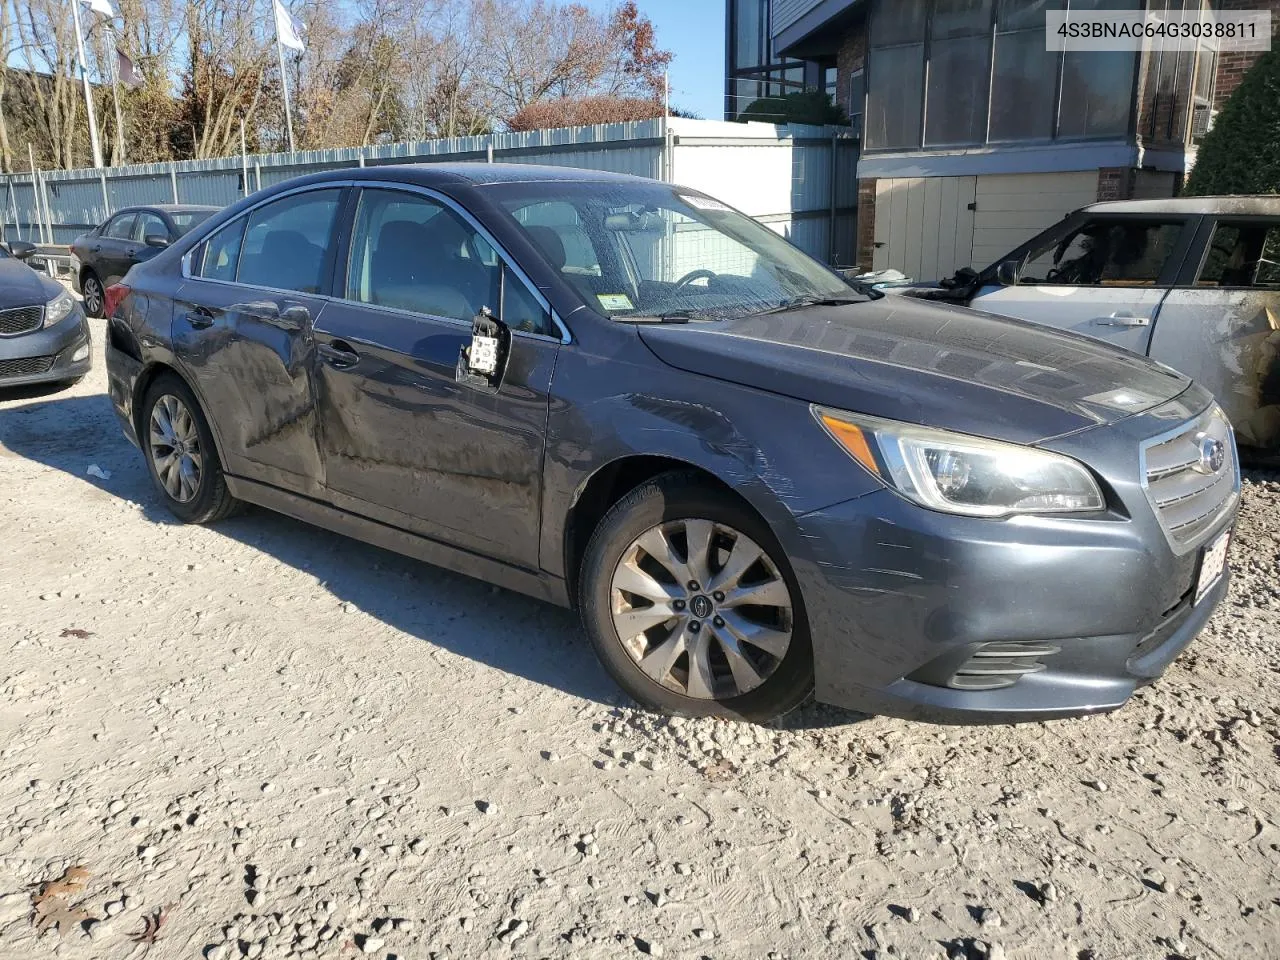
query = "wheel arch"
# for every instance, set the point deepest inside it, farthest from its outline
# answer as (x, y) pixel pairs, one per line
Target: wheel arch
(608, 485)
(148, 376)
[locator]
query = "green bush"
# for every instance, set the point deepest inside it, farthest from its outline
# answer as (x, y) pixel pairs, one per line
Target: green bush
(811, 106)
(1241, 154)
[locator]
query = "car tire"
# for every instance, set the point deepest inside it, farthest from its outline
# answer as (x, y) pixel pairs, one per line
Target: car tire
(180, 453)
(93, 293)
(668, 513)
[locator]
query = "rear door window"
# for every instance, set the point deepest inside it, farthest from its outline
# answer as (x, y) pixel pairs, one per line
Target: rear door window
(286, 242)
(1242, 255)
(121, 228)
(1109, 252)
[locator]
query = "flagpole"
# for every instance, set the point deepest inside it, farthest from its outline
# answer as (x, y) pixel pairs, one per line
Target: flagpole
(284, 81)
(88, 93)
(114, 56)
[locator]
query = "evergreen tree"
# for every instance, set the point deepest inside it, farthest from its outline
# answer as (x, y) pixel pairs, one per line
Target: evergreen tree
(1241, 154)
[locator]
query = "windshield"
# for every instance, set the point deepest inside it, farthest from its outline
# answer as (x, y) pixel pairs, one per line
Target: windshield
(183, 222)
(642, 250)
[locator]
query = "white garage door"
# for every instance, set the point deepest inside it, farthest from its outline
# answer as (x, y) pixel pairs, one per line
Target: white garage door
(928, 227)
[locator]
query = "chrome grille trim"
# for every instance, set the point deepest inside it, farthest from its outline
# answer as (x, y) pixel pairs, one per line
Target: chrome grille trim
(19, 320)
(1188, 501)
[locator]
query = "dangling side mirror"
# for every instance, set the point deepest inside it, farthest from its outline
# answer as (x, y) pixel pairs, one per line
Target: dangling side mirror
(482, 363)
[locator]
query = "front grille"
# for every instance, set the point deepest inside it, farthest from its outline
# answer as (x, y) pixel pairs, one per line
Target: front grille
(1190, 493)
(25, 366)
(20, 320)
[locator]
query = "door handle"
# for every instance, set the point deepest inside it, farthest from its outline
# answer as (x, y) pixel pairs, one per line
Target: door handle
(338, 354)
(200, 319)
(1122, 320)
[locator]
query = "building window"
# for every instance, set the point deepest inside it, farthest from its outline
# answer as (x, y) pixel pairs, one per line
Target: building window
(945, 73)
(857, 100)
(1024, 77)
(754, 72)
(959, 68)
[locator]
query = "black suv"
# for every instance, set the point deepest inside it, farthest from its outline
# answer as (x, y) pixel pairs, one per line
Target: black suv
(752, 479)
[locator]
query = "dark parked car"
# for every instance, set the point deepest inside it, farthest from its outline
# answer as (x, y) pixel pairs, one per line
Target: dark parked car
(102, 256)
(749, 478)
(43, 334)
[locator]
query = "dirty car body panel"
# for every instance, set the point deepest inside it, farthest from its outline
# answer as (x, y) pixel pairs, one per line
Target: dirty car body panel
(900, 598)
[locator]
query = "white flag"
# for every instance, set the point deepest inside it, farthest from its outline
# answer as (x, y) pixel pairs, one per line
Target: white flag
(288, 30)
(101, 6)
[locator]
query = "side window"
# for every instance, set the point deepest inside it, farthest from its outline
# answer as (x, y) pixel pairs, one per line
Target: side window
(222, 252)
(146, 224)
(556, 229)
(1119, 252)
(1242, 255)
(412, 253)
(521, 309)
(121, 228)
(286, 242)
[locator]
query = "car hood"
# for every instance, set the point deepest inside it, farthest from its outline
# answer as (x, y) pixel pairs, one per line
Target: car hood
(925, 363)
(20, 286)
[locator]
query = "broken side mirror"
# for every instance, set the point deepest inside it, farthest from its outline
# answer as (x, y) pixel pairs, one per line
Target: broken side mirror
(482, 363)
(1008, 273)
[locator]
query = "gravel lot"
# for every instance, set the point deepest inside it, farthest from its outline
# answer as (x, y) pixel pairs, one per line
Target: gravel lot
(283, 743)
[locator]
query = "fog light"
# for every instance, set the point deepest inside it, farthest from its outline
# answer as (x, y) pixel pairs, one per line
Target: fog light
(82, 353)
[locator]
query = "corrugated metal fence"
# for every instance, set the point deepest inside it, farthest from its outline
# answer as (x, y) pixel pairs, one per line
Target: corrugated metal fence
(782, 175)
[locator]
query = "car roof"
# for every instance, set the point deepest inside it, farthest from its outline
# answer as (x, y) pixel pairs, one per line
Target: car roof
(431, 174)
(1241, 205)
(170, 208)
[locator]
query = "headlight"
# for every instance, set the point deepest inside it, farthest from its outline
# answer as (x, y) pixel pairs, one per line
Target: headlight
(957, 473)
(58, 309)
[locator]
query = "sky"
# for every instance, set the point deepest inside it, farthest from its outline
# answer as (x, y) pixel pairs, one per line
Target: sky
(694, 31)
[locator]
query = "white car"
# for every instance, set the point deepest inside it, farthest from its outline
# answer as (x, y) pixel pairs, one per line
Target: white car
(1193, 283)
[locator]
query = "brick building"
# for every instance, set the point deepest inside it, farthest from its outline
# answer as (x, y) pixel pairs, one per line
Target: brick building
(973, 136)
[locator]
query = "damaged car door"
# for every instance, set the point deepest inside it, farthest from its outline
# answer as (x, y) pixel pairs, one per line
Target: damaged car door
(242, 327)
(1221, 324)
(410, 435)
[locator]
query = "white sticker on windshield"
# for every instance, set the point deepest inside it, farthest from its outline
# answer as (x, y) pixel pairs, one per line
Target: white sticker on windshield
(615, 301)
(702, 203)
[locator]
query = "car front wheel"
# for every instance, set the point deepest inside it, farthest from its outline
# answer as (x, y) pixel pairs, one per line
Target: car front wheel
(692, 606)
(94, 296)
(181, 456)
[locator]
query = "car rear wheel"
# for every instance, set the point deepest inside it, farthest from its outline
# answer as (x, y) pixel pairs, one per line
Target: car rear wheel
(94, 296)
(692, 606)
(180, 453)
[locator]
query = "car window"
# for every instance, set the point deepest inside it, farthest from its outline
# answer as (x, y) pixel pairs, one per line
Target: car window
(183, 222)
(121, 228)
(286, 242)
(148, 223)
(1242, 255)
(556, 225)
(1107, 252)
(414, 253)
(222, 252)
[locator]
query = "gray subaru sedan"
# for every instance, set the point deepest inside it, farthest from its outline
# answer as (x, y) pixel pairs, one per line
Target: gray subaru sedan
(753, 480)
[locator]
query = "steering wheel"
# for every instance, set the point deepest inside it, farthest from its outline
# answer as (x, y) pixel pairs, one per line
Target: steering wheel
(693, 275)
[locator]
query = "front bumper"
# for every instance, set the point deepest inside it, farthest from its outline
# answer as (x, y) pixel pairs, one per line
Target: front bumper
(896, 593)
(47, 355)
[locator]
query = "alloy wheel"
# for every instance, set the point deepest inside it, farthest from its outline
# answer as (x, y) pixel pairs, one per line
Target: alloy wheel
(93, 296)
(175, 448)
(701, 608)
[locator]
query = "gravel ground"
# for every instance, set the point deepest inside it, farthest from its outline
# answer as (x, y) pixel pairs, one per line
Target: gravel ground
(265, 740)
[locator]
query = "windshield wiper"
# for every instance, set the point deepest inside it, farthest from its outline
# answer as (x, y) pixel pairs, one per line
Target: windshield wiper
(810, 300)
(666, 316)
